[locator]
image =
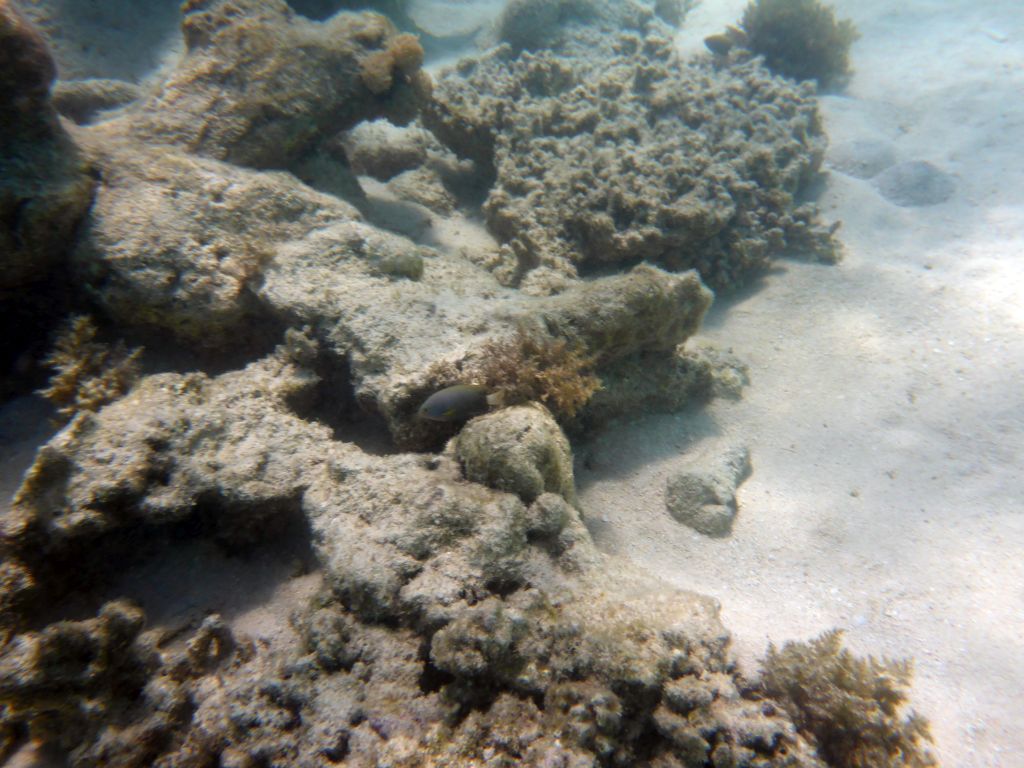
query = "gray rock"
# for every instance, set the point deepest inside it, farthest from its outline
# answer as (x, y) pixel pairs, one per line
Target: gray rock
(521, 450)
(382, 150)
(425, 187)
(405, 339)
(915, 183)
(173, 445)
(704, 498)
(178, 242)
(646, 309)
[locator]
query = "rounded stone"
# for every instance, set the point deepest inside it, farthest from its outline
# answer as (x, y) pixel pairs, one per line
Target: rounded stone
(521, 450)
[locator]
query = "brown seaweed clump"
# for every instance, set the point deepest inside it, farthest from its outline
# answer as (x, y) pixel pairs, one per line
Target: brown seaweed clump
(526, 367)
(403, 57)
(88, 373)
(800, 39)
(850, 705)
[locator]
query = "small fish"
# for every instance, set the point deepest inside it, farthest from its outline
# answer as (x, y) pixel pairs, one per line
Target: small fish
(456, 403)
(718, 44)
(721, 44)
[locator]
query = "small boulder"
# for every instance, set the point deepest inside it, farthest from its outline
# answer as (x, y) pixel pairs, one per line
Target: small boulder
(705, 499)
(521, 450)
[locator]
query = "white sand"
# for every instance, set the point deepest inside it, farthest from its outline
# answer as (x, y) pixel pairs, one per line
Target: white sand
(886, 413)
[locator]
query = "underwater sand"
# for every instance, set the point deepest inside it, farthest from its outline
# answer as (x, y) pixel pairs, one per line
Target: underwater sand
(885, 415)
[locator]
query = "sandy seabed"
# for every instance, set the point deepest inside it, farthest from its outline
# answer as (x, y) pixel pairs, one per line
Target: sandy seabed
(885, 414)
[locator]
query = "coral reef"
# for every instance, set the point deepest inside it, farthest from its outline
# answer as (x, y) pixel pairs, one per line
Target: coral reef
(177, 242)
(87, 374)
(466, 617)
(74, 678)
(175, 448)
(851, 706)
(114, 696)
(403, 340)
(638, 157)
(451, 604)
(399, 61)
(703, 495)
(800, 39)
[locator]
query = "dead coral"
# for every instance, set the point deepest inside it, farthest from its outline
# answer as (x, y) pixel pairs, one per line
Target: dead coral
(638, 157)
(529, 367)
(850, 705)
(800, 39)
(74, 677)
(88, 373)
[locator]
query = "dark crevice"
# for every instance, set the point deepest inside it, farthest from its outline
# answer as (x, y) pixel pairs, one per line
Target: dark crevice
(471, 696)
(333, 403)
(432, 679)
(337, 752)
(165, 354)
(503, 587)
(647, 743)
(75, 582)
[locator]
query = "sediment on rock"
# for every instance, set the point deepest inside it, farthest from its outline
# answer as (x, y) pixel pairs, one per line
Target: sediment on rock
(176, 448)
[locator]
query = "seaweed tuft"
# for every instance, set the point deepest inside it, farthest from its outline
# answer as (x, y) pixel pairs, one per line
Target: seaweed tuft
(88, 374)
(800, 39)
(533, 367)
(850, 705)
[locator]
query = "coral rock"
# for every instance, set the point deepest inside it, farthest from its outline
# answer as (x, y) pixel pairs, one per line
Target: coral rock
(178, 242)
(174, 446)
(260, 86)
(637, 157)
(704, 496)
(521, 450)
